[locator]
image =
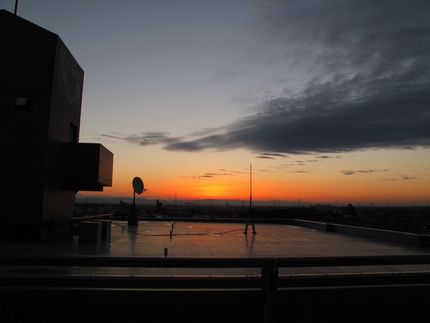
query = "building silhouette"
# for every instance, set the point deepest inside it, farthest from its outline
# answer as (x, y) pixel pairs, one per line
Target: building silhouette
(42, 163)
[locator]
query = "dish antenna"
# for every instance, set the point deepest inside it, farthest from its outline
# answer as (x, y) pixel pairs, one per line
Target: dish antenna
(139, 188)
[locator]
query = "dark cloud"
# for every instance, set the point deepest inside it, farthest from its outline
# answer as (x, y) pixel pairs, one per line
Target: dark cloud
(299, 163)
(271, 155)
(113, 136)
(212, 175)
(401, 178)
(369, 88)
(265, 157)
(367, 171)
(145, 138)
(396, 116)
(327, 157)
(408, 178)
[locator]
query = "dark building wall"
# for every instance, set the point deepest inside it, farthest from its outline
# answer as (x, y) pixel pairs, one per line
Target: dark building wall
(27, 60)
(35, 137)
(64, 125)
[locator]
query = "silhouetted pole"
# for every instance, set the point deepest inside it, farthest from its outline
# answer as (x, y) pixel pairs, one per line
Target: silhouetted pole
(132, 218)
(250, 186)
(250, 215)
(16, 7)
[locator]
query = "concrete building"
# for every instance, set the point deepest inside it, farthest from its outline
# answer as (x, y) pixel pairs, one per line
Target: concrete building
(42, 163)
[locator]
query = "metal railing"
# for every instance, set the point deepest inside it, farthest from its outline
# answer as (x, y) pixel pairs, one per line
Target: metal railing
(269, 266)
(171, 262)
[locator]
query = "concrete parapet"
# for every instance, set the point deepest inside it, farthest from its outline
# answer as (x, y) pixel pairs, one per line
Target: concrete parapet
(322, 226)
(418, 240)
(397, 236)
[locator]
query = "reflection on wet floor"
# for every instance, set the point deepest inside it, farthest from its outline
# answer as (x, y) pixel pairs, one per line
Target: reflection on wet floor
(220, 240)
(228, 240)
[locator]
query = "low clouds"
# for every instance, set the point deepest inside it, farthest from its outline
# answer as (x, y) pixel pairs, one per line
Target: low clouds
(271, 156)
(327, 157)
(367, 171)
(408, 178)
(212, 175)
(220, 173)
(401, 178)
(144, 139)
(369, 88)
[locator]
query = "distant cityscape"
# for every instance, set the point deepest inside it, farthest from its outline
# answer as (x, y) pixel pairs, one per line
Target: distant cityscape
(227, 202)
(415, 219)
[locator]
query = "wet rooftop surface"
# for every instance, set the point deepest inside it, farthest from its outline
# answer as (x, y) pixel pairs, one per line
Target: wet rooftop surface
(220, 240)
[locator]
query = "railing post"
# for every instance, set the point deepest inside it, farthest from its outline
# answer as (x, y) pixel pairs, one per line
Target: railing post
(269, 275)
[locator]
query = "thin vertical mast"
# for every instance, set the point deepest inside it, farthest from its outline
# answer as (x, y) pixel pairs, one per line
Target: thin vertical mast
(250, 185)
(16, 7)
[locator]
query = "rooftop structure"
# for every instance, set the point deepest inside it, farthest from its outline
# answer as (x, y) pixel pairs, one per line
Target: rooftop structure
(43, 164)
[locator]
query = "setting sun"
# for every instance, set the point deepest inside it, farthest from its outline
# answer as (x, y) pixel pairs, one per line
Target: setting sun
(214, 190)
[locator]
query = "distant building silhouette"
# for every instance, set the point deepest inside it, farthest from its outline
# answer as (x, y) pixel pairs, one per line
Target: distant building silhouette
(42, 163)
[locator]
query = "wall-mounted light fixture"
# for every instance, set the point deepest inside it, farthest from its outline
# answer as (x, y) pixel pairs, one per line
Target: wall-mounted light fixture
(22, 101)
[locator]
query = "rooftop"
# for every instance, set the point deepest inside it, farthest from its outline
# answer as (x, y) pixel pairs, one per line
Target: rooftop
(218, 240)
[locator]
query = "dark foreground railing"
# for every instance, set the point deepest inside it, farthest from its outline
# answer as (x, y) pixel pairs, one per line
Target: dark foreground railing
(268, 280)
(170, 262)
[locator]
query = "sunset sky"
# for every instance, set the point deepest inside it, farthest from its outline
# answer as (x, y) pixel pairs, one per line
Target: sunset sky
(329, 100)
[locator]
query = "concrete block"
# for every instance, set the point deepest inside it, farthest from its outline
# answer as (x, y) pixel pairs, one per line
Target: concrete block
(90, 232)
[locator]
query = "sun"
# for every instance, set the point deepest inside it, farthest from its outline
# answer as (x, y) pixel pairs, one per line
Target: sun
(213, 190)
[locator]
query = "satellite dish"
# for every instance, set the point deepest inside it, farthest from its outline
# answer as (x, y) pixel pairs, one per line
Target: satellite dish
(138, 186)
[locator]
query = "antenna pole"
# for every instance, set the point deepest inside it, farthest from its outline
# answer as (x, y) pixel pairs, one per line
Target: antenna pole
(132, 217)
(250, 185)
(16, 7)
(250, 219)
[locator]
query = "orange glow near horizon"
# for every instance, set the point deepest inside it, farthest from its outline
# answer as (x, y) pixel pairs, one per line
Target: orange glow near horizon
(263, 190)
(386, 177)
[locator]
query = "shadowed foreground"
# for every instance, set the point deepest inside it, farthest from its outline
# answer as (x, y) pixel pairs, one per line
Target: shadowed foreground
(214, 273)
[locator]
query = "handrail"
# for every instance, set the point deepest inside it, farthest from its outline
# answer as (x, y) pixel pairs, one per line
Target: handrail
(269, 266)
(158, 262)
(149, 262)
(91, 217)
(416, 259)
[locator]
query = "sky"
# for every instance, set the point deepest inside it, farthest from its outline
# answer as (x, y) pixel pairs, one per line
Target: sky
(328, 100)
